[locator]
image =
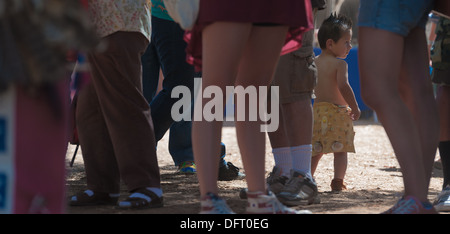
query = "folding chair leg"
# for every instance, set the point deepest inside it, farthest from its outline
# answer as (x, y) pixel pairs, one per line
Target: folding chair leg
(74, 155)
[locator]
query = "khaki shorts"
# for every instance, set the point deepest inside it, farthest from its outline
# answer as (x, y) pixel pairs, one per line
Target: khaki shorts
(296, 77)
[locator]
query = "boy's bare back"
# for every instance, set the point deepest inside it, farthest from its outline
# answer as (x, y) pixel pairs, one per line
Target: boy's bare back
(332, 76)
(332, 73)
(332, 83)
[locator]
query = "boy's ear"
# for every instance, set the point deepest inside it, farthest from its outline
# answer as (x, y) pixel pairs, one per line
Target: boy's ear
(329, 43)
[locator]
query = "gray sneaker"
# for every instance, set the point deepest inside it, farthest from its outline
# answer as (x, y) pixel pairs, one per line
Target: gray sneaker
(300, 189)
(276, 181)
(442, 203)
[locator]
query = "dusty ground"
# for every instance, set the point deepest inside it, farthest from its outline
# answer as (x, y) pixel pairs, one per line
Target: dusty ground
(373, 179)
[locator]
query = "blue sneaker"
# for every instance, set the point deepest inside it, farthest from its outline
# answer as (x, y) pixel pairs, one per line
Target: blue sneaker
(187, 167)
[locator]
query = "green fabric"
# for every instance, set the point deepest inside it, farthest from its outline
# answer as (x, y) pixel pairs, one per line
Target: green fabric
(159, 10)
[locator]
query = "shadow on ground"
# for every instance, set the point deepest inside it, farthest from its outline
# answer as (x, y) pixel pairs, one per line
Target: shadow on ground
(181, 196)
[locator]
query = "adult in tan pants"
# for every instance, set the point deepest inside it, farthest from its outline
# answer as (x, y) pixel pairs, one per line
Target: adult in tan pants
(113, 117)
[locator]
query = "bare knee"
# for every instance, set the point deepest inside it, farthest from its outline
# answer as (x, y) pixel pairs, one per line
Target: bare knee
(374, 98)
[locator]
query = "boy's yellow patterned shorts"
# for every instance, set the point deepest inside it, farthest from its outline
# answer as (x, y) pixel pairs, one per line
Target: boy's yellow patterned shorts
(333, 129)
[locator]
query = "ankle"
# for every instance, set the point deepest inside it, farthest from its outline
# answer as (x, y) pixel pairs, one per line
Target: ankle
(338, 184)
(256, 194)
(212, 204)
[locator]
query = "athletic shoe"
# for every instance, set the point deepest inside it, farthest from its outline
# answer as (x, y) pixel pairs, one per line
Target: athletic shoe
(212, 204)
(300, 189)
(187, 167)
(442, 203)
(276, 181)
(229, 172)
(438, 164)
(243, 193)
(261, 203)
(411, 205)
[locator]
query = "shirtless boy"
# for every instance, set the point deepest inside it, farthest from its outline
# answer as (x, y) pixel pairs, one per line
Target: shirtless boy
(335, 106)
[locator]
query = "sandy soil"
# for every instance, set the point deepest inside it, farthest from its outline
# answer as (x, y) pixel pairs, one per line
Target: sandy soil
(374, 180)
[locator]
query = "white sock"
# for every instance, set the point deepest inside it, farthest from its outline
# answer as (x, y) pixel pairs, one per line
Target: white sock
(283, 160)
(301, 158)
(157, 191)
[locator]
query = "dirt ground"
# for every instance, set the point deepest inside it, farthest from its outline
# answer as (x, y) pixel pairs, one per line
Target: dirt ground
(374, 180)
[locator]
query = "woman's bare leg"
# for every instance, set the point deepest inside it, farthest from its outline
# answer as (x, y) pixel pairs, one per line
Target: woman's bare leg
(257, 69)
(223, 46)
(380, 68)
(417, 90)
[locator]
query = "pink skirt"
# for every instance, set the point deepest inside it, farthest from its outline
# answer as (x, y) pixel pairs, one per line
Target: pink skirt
(297, 14)
(33, 146)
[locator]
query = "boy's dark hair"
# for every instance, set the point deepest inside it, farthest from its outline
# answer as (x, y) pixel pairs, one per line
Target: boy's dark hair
(332, 28)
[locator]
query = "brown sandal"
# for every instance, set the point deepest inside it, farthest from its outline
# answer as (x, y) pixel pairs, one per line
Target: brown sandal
(141, 199)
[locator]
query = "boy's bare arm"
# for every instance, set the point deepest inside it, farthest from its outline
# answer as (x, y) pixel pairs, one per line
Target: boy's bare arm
(346, 90)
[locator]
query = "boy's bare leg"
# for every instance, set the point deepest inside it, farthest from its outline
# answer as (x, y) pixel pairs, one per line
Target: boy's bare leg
(279, 138)
(340, 165)
(314, 162)
(299, 117)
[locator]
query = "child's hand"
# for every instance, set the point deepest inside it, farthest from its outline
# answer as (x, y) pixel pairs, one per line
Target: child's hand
(355, 114)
